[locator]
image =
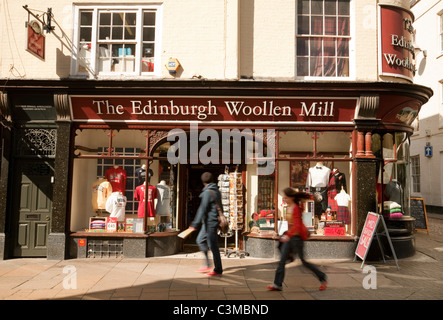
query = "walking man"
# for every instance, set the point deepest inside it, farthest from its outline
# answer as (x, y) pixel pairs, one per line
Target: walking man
(207, 217)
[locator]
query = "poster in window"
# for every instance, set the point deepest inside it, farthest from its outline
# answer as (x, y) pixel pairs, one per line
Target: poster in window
(299, 173)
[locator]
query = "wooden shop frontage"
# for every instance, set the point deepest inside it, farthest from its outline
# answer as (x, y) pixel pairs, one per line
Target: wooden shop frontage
(112, 168)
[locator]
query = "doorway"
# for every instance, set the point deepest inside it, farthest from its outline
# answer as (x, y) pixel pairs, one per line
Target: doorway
(193, 187)
(32, 208)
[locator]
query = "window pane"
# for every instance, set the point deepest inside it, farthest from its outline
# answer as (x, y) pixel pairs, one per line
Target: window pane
(148, 34)
(343, 67)
(85, 34)
(329, 67)
(117, 19)
(316, 25)
(330, 7)
(130, 19)
(316, 67)
(316, 6)
(302, 66)
(129, 33)
(86, 18)
(316, 47)
(303, 25)
(342, 47)
(329, 47)
(330, 26)
(148, 50)
(343, 7)
(302, 47)
(117, 33)
(104, 33)
(343, 26)
(104, 63)
(148, 18)
(105, 19)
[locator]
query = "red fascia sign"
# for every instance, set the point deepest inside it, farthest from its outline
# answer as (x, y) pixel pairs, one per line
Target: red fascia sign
(367, 235)
(397, 57)
(145, 109)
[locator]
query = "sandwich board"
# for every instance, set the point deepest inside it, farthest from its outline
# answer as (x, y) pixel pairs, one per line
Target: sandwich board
(367, 235)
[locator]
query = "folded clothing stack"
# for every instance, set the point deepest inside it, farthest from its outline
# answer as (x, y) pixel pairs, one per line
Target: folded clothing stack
(97, 224)
(392, 209)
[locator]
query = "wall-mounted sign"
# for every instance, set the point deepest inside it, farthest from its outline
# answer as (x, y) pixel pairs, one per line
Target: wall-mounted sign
(396, 56)
(172, 65)
(216, 109)
(428, 150)
(35, 40)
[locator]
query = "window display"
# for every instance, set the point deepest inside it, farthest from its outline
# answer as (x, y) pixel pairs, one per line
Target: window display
(320, 166)
(118, 179)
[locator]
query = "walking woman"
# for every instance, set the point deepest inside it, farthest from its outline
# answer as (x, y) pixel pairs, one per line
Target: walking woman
(293, 239)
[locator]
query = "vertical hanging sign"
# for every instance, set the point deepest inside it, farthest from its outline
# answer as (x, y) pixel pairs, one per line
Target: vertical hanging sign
(396, 56)
(35, 40)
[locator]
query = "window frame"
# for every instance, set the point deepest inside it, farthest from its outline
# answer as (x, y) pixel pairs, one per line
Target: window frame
(415, 176)
(96, 9)
(351, 46)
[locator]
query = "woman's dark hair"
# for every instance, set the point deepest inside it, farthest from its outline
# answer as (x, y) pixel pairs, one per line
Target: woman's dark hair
(296, 195)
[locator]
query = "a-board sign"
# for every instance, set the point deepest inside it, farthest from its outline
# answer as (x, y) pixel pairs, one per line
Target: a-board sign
(418, 211)
(367, 235)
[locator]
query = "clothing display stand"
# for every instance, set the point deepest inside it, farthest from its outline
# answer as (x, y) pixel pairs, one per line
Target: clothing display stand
(236, 211)
(223, 184)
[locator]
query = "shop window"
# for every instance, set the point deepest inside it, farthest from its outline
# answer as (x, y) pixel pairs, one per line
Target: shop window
(323, 37)
(112, 164)
(116, 40)
(300, 154)
(393, 173)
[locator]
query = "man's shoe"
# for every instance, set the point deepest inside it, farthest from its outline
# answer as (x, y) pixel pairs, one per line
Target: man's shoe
(274, 287)
(204, 270)
(213, 273)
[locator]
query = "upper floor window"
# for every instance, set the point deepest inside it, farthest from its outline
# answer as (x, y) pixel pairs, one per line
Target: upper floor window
(116, 40)
(415, 173)
(323, 35)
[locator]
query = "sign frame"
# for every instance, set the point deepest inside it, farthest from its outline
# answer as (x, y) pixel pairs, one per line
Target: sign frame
(424, 211)
(403, 52)
(369, 230)
(35, 40)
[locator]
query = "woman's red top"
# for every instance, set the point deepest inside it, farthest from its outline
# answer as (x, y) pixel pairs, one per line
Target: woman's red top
(295, 223)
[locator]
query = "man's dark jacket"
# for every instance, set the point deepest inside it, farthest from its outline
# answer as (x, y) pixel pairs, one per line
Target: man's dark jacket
(207, 211)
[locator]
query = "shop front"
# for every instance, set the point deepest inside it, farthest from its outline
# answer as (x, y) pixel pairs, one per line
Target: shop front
(130, 156)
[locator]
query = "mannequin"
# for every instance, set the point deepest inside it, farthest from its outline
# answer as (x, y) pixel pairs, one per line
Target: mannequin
(394, 191)
(343, 214)
(116, 205)
(152, 194)
(101, 190)
(162, 207)
(317, 182)
(336, 182)
(140, 174)
(117, 177)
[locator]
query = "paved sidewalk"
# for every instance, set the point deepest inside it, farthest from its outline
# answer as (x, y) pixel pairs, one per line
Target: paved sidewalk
(173, 278)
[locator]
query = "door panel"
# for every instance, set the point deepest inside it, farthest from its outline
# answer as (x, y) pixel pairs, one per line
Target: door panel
(33, 209)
